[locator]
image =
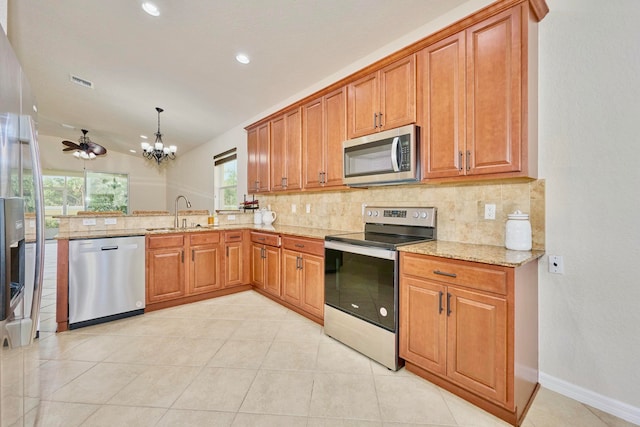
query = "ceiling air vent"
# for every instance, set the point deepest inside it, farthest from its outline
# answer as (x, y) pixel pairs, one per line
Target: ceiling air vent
(82, 82)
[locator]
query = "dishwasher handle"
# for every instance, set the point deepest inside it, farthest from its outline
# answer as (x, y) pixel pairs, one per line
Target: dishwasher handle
(109, 248)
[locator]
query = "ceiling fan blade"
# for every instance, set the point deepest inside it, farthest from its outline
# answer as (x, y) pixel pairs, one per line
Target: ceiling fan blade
(96, 149)
(71, 145)
(69, 149)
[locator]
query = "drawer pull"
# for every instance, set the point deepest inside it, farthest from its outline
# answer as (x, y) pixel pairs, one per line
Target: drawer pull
(262, 239)
(444, 273)
(237, 236)
(298, 245)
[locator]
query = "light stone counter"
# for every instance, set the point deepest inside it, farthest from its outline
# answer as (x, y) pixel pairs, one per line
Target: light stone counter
(496, 255)
(308, 232)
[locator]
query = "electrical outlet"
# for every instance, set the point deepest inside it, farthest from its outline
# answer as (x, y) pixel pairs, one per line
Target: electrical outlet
(308, 207)
(110, 221)
(293, 208)
(490, 211)
(89, 221)
(231, 217)
(556, 264)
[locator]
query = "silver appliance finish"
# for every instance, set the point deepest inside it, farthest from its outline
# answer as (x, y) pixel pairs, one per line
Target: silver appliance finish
(349, 321)
(106, 279)
(382, 158)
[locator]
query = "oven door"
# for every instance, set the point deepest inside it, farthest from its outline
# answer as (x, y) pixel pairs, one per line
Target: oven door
(362, 281)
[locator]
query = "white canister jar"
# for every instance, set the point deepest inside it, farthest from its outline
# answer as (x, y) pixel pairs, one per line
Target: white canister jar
(518, 232)
(257, 217)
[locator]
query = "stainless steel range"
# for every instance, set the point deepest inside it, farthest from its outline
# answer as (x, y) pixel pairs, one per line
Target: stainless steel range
(361, 279)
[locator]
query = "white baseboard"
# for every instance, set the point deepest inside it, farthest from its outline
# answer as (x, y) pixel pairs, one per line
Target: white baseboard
(591, 398)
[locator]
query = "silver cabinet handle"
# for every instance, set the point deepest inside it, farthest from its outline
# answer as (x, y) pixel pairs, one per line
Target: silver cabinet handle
(380, 125)
(460, 160)
(468, 160)
(375, 120)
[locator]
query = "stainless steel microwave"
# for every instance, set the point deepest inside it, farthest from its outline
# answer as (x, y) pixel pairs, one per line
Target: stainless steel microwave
(388, 157)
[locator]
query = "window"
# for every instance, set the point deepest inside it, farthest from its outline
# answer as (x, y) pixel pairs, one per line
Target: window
(67, 193)
(107, 192)
(225, 180)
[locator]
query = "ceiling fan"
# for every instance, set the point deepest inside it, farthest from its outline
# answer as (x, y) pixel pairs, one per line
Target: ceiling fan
(87, 149)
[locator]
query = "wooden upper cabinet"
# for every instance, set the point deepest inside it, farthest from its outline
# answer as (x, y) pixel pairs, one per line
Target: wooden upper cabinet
(383, 100)
(494, 98)
(258, 158)
(323, 131)
(441, 98)
(286, 151)
(472, 93)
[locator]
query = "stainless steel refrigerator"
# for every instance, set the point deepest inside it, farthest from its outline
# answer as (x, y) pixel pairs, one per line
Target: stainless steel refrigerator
(21, 206)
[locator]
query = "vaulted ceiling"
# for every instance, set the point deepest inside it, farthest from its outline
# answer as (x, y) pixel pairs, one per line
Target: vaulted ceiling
(184, 59)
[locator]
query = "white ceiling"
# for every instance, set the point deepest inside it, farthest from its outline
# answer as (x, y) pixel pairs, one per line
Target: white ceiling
(184, 60)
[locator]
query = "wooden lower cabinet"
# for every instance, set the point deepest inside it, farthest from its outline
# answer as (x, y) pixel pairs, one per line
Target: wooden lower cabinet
(205, 263)
(303, 274)
(235, 254)
(471, 328)
(165, 268)
(265, 262)
(184, 267)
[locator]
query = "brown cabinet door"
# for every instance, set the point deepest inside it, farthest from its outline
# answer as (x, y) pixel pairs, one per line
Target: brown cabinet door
(165, 274)
(324, 128)
(397, 94)
(312, 278)
(441, 92)
(277, 153)
(477, 342)
(257, 266)
(494, 98)
(272, 270)
(291, 279)
(205, 269)
(364, 105)
(263, 157)
(335, 132)
(233, 264)
(313, 143)
(423, 324)
(293, 150)
(252, 160)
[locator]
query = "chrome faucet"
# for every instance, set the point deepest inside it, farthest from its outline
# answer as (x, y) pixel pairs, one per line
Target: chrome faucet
(175, 223)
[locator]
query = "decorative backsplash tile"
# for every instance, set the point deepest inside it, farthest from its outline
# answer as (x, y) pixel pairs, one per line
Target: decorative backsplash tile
(460, 208)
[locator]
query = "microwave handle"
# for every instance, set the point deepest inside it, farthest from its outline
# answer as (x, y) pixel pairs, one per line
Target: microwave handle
(394, 154)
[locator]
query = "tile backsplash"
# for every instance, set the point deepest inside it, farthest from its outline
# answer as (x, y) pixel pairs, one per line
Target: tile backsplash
(460, 208)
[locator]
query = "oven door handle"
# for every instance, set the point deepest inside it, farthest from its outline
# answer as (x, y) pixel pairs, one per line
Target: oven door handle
(361, 250)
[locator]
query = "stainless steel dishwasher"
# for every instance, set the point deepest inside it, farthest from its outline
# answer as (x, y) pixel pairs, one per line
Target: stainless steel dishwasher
(106, 279)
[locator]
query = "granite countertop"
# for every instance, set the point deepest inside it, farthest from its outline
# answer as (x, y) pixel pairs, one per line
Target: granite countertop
(314, 233)
(487, 254)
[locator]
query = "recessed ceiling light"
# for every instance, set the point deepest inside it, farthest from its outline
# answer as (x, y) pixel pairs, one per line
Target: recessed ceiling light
(242, 58)
(151, 8)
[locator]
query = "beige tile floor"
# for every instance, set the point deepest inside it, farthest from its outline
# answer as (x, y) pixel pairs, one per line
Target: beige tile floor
(240, 360)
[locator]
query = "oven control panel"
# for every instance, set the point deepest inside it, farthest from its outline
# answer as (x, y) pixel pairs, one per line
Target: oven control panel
(420, 216)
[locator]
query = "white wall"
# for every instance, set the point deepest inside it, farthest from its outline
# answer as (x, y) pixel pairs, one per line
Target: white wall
(147, 182)
(589, 97)
(589, 92)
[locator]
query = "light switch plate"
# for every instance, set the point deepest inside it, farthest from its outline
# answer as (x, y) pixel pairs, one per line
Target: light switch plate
(110, 221)
(89, 221)
(231, 217)
(293, 208)
(308, 207)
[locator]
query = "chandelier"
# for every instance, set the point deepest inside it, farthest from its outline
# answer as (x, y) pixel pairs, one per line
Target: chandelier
(158, 151)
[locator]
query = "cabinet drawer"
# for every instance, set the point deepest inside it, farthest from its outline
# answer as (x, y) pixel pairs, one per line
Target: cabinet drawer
(265, 238)
(469, 274)
(233, 236)
(205, 238)
(165, 241)
(314, 247)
